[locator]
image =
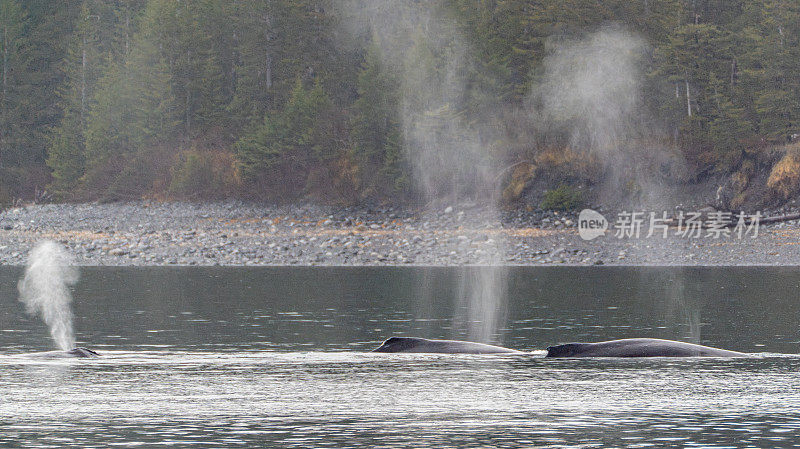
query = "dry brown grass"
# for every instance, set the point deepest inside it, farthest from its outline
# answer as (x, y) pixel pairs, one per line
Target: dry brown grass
(520, 177)
(563, 163)
(784, 179)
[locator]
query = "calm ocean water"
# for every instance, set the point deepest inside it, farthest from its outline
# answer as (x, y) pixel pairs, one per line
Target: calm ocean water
(243, 357)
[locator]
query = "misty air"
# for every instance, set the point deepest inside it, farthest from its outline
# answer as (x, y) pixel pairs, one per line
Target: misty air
(399, 223)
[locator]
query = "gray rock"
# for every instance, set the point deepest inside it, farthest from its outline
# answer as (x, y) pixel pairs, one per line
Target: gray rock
(118, 252)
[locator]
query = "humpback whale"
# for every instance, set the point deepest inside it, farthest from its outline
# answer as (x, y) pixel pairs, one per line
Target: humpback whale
(81, 353)
(639, 347)
(422, 345)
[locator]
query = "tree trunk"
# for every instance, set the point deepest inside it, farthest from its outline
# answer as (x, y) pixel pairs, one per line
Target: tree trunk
(268, 70)
(3, 131)
(688, 98)
(83, 81)
(188, 96)
(127, 28)
(5, 63)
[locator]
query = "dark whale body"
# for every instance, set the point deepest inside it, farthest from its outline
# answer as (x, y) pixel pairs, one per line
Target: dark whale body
(639, 347)
(422, 345)
(81, 353)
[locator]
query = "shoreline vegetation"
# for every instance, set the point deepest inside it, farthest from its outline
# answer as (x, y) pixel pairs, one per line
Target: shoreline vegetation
(233, 233)
(354, 102)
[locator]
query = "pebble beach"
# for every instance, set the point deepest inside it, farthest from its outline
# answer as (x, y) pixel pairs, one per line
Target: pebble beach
(241, 234)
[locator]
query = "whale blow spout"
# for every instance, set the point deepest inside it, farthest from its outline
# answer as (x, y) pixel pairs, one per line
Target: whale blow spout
(45, 290)
(422, 345)
(639, 347)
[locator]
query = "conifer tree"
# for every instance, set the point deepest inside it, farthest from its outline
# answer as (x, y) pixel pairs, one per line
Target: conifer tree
(133, 108)
(772, 66)
(279, 154)
(47, 36)
(13, 104)
(96, 44)
(376, 128)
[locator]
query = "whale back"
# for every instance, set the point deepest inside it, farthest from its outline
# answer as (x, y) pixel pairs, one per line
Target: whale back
(399, 344)
(83, 353)
(567, 350)
(639, 347)
(422, 345)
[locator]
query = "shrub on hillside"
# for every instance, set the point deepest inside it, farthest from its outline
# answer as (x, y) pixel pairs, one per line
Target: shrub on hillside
(563, 198)
(784, 179)
(204, 174)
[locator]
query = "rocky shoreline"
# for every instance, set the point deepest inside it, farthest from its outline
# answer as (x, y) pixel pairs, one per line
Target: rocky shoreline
(242, 234)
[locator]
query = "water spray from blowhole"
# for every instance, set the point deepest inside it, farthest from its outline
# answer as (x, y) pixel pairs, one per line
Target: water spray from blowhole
(45, 290)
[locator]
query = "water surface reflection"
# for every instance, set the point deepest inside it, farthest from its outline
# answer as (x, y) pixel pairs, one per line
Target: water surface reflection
(241, 357)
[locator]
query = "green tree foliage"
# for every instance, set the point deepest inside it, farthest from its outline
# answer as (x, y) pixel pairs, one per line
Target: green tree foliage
(729, 128)
(47, 33)
(280, 153)
(103, 96)
(772, 66)
(15, 89)
(185, 34)
(132, 110)
(275, 42)
(101, 37)
(376, 129)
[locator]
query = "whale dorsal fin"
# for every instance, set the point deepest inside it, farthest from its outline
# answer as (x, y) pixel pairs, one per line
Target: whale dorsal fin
(396, 344)
(83, 352)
